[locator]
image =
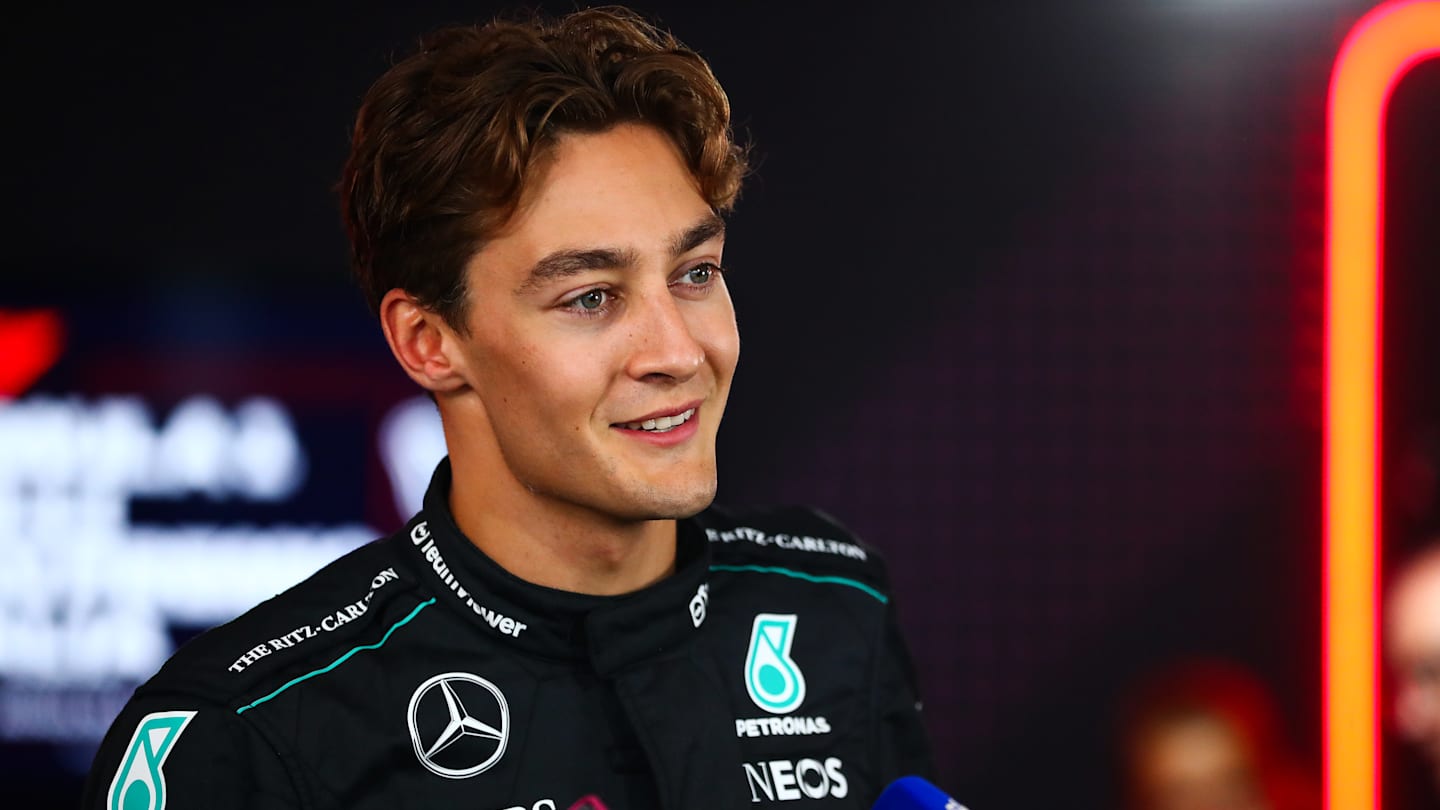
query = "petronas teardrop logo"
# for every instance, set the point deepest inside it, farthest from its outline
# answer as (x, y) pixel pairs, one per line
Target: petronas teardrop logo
(772, 678)
(140, 782)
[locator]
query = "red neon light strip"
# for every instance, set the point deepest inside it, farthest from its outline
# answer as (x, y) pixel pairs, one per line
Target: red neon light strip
(30, 343)
(1380, 49)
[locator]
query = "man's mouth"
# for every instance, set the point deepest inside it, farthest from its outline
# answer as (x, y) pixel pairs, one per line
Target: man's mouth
(663, 424)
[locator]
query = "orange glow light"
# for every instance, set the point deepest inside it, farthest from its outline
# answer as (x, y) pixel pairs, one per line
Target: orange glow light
(1379, 50)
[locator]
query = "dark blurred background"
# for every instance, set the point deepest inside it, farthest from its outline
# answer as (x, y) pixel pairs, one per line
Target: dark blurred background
(1031, 297)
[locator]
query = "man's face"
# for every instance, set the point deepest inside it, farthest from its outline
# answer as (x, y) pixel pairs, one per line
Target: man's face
(598, 308)
(1413, 642)
(1195, 763)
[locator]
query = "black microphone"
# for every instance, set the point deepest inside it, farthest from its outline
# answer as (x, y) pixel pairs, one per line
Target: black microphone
(914, 793)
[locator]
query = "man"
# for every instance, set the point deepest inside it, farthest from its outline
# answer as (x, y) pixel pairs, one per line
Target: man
(1412, 642)
(535, 213)
(1208, 734)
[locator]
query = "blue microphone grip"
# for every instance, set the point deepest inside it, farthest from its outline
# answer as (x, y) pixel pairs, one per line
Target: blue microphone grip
(914, 793)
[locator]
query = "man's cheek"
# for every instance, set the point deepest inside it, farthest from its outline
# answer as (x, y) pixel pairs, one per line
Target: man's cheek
(722, 344)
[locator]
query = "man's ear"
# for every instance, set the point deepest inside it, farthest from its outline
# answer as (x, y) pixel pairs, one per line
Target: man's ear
(423, 342)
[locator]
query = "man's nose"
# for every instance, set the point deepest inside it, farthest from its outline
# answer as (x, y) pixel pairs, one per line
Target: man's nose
(664, 342)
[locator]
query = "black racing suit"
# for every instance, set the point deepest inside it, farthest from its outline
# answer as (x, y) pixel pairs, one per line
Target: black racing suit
(414, 672)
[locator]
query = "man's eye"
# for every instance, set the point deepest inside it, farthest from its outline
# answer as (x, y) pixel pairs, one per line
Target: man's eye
(1427, 672)
(700, 275)
(592, 300)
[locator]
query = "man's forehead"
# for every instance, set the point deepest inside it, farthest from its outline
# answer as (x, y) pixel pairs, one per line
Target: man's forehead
(1422, 574)
(626, 189)
(676, 237)
(613, 173)
(1415, 603)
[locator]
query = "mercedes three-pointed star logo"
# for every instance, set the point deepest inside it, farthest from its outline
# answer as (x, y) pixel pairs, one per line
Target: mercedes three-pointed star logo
(463, 737)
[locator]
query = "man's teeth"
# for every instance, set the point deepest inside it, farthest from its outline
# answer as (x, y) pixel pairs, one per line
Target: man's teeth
(663, 424)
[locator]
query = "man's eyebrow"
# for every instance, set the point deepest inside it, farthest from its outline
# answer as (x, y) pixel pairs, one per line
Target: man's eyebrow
(566, 263)
(697, 235)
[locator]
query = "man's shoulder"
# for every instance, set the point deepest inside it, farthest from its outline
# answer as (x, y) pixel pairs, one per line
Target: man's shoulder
(321, 617)
(799, 539)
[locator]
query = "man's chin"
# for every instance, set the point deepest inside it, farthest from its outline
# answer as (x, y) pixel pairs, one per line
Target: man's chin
(672, 503)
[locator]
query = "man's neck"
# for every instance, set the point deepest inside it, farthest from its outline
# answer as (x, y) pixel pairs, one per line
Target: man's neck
(560, 546)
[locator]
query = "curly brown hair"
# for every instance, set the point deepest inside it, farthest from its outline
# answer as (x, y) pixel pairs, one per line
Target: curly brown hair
(445, 140)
